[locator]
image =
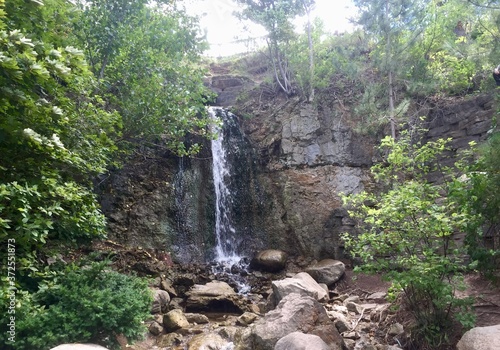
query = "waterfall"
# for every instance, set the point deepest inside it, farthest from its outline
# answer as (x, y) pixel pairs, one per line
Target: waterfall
(224, 231)
(226, 255)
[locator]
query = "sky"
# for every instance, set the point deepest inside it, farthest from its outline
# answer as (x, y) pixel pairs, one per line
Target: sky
(225, 32)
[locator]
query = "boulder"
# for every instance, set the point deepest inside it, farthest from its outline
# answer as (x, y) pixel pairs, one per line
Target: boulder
(270, 260)
(197, 318)
(480, 338)
(295, 312)
(301, 341)
(174, 320)
(169, 340)
(214, 288)
(208, 341)
(161, 299)
(340, 321)
(76, 346)
(327, 271)
(215, 296)
(155, 328)
(247, 318)
(302, 283)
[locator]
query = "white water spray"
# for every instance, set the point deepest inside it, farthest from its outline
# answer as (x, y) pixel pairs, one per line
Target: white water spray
(224, 230)
(226, 242)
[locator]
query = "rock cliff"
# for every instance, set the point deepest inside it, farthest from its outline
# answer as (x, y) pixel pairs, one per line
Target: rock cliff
(292, 160)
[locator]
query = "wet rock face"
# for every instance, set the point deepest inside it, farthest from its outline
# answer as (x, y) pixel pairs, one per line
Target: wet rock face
(163, 203)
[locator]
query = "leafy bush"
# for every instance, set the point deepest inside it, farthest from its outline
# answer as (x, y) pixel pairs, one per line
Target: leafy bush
(86, 304)
(406, 233)
(480, 197)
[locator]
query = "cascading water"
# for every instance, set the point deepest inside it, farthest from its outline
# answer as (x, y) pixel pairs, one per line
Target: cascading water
(226, 256)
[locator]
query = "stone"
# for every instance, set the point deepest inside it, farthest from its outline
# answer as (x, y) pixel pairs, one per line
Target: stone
(270, 260)
(76, 346)
(174, 320)
(302, 283)
(340, 321)
(155, 328)
(161, 299)
(354, 298)
(378, 297)
(353, 307)
(480, 338)
(364, 345)
(166, 285)
(169, 340)
(215, 296)
(207, 341)
(350, 343)
(176, 303)
(246, 319)
(295, 312)
(395, 329)
(301, 341)
(196, 318)
(327, 271)
(214, 288)
(342, 325)
(351, 335)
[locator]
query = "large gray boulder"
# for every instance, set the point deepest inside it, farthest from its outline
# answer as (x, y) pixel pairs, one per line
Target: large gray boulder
(294, 313)
(76, 346)
(481, 338)
(327, 271)
(270, 260)
(301, 341)
(214, 296)
(302, 283)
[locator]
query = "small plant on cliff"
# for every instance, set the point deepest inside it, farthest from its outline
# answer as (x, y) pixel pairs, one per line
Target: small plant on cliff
(406, 233)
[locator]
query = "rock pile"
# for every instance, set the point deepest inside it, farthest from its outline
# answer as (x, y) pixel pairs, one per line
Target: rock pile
(298, 310)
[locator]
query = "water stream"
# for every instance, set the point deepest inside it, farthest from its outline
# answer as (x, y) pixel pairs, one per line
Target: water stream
(228, 261)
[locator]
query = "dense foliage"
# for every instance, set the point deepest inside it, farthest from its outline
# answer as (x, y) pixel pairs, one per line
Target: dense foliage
(81, 85)
(406, 233)
(85, 82)
(148, 67)
(87, 304)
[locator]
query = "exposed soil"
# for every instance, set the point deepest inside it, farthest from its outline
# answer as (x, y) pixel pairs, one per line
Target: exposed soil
(487, 299)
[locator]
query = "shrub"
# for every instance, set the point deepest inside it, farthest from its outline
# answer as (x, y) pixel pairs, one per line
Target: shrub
(86, 304)
(406, 233)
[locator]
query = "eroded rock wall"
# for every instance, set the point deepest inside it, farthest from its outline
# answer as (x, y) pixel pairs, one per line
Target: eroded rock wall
(308, 157)
(292, 162)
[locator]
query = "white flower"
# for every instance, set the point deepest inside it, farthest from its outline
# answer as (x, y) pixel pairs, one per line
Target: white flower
(33, 135)
(57, 141)
(57, 110)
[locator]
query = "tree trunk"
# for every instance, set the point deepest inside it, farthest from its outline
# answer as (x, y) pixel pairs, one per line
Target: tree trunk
(390, 77)
(311, 55)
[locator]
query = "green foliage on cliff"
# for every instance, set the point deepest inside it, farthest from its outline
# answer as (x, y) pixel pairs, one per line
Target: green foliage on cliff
(406, 233)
